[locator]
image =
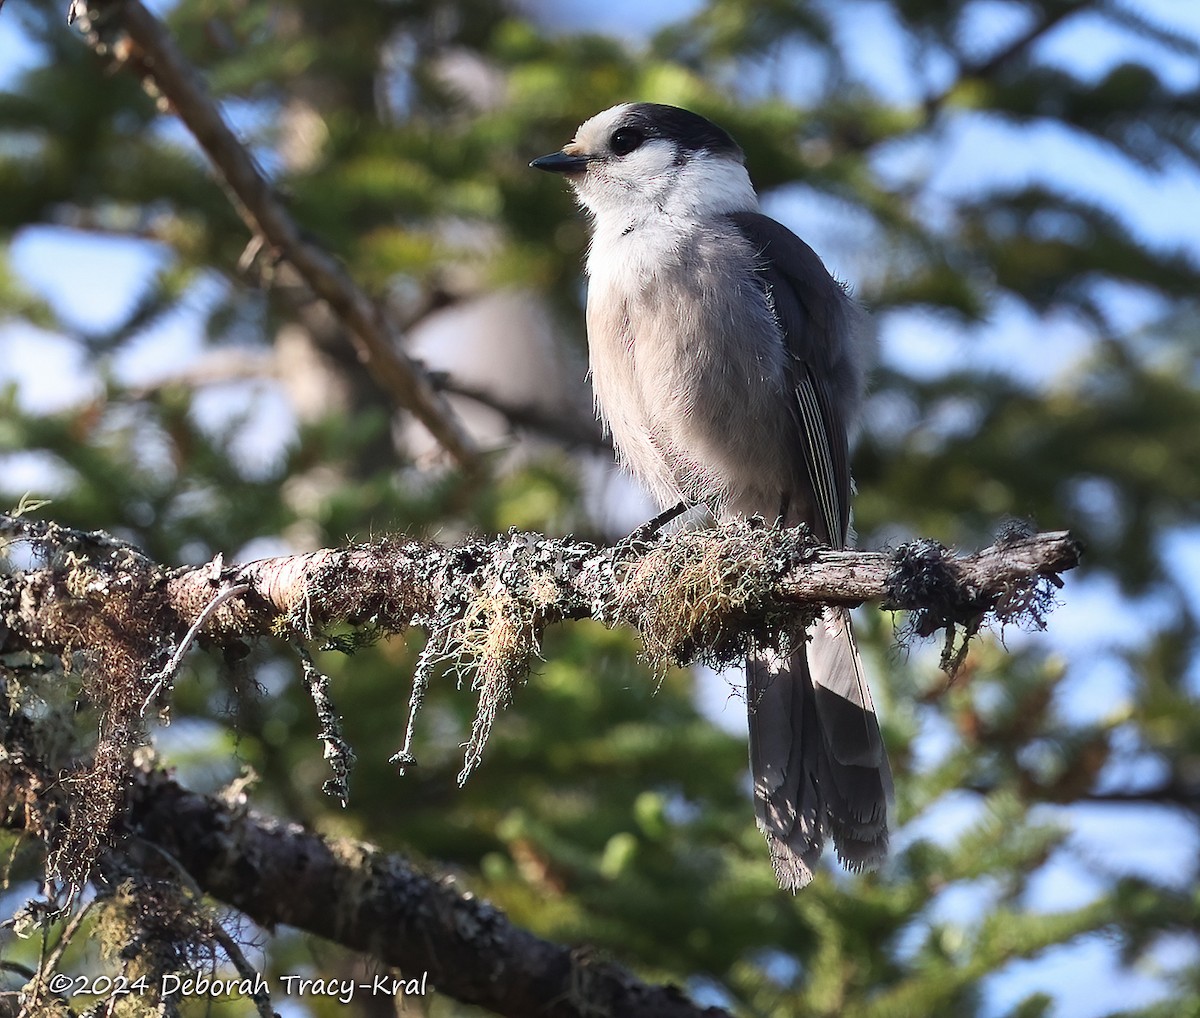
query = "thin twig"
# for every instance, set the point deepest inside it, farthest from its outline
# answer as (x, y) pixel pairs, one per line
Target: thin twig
(15, 966)
(567, 429)
(233, 951)
(249, 974)
(337, 749)
(51, 961)
(167, 672)
(404, 758)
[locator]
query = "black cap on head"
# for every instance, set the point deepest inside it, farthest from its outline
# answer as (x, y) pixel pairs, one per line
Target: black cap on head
(690, 131)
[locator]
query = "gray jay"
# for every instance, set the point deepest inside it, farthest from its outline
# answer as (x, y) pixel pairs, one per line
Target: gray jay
(728, 366)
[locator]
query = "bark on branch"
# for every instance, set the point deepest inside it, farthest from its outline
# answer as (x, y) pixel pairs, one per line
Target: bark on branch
(354, 894)
(156, 58)
(737, 576)
(695, 593)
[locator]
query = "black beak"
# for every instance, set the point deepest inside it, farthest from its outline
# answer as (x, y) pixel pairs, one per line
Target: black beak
(560, 162)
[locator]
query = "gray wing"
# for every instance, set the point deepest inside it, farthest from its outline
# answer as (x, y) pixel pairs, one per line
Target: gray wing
(810, 308)
(816, 750)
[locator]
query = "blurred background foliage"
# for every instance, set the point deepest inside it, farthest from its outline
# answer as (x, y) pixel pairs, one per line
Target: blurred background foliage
(1039, 346)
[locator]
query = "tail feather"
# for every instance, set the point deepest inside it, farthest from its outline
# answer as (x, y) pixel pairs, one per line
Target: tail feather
(787, 801)
(843, 697)
(816, 754)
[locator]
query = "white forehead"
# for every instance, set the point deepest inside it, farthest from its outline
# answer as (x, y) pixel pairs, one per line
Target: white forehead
(594, 133)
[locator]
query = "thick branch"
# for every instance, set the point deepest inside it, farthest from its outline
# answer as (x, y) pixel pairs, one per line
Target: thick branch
(354, 894)
(363, 898)
(853, 577)
(740, 577)
(375, 337)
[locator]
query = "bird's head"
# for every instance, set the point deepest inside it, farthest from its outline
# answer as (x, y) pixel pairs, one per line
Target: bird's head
(636, 160)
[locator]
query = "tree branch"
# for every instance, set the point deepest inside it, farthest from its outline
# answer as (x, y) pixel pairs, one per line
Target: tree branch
(740, 576)
(989, 67)
(226, 366)
(377, 340)
(356, 895)
(574, 431)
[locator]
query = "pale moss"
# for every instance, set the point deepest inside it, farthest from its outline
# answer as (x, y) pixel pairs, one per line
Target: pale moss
(708, 595)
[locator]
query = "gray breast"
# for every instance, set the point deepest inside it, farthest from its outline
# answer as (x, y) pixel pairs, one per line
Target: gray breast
(688, 367)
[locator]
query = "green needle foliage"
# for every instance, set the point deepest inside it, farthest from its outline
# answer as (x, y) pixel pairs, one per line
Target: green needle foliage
(609, 810)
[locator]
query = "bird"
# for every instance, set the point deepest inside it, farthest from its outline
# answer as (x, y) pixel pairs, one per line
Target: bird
(728, 366)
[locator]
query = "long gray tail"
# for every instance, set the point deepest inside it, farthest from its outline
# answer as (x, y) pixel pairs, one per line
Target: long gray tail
(816, 754)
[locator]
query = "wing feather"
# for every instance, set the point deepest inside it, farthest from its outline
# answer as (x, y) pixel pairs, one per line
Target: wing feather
(810, 308)
(821, 751)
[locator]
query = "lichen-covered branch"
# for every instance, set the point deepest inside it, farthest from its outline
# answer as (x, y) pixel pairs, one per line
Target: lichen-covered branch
(699, 595)
(153, 55)
(354, 894)
(693, 594)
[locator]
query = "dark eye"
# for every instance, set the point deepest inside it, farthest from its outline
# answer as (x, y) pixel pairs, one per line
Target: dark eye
(625, 140)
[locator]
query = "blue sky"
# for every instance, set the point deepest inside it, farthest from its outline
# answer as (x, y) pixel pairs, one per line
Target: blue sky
(1093, 622)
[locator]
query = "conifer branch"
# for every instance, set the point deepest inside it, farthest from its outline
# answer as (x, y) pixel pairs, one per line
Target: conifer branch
(699, 596)
(152, 54)
(736, 578)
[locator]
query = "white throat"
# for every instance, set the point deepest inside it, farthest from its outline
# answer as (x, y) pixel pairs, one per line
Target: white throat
(639, 220)
(676, 199)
